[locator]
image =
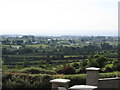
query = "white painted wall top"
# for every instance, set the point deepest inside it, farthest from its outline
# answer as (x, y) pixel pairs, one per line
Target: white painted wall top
(117, 78)
(93, 69)
(83, 87)
(60, 81)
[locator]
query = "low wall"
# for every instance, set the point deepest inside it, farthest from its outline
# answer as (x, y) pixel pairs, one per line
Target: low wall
(109, 83)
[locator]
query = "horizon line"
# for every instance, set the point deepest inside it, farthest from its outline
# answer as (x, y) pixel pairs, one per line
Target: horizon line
(51, 35)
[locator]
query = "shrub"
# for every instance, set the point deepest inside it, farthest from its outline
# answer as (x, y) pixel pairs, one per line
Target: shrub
(34, 70)
(66, 70)
(76, 65)
(21, 80)
(108, 75)
(97, 61)
(81, 70)
(107, 68)
(116, 65)
(77, 79)
(24, 80)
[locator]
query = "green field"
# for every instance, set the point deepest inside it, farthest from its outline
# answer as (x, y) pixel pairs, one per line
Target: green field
(38, 45)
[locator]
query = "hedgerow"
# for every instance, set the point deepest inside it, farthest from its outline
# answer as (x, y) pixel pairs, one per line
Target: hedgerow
(25, 80)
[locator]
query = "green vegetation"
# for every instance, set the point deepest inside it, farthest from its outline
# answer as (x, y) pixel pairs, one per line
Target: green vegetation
(25, 80)
(43, 58)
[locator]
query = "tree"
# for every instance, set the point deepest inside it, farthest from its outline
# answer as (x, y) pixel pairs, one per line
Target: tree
(116, 65)
(26, 63)
(106, 46)
(97, 61)
(83, 63)
(76, 65)
(27, 50)
(19, 42)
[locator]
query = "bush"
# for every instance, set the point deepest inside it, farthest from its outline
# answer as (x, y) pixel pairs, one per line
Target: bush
(24, 80)
(66, 70)
(34, 70)
(97, 61)
(81, 70)
(76, 65)
(77, 79)
(108, 75)
(105, 70)
(116, 65)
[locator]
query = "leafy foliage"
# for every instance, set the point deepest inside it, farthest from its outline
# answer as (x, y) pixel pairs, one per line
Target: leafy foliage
(116, 65)
(24, 80)
(66, 70)
(97, 61)
(35, 70)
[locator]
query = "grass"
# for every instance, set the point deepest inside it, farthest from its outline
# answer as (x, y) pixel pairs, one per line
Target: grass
(109, 75)
(66, 56)
(114, 72)
(21, 62)
(72, 45)
(38, 45)
(113, 43)
(25, 55)
(11, 45)
(39, 61)
(64, 61)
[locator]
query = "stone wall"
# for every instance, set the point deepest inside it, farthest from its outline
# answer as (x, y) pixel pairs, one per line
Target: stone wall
(92, 79)
(109, 83)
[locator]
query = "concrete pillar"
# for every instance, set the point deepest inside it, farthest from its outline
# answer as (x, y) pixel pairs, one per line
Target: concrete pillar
(60, 83)
(92, 76)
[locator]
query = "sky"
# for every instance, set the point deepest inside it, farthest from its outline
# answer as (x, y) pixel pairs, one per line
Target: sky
(59, 17)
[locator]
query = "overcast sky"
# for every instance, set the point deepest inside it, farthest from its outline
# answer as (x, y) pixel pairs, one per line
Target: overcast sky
(59, 17)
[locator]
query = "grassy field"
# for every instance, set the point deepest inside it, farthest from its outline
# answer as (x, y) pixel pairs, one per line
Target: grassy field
(11, 45)
(25, 55)
(37, 45)
(113, 43)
